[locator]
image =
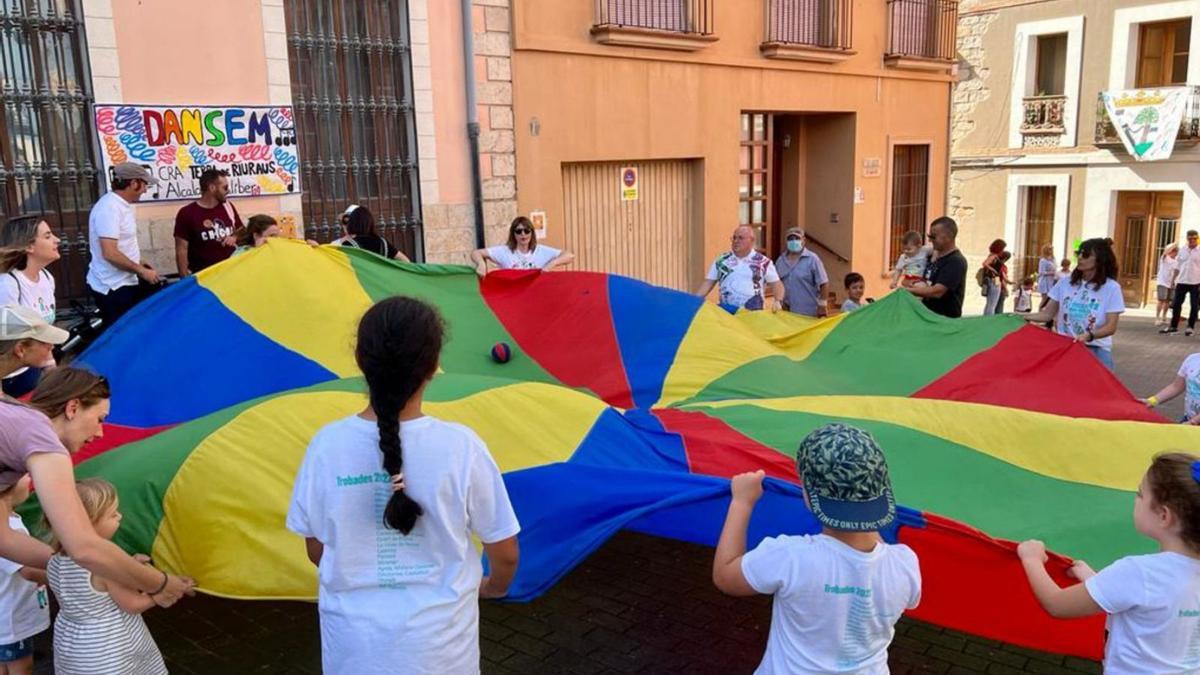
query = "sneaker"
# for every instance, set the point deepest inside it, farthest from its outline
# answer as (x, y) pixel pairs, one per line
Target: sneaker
(1188, 332)
(1167, 330)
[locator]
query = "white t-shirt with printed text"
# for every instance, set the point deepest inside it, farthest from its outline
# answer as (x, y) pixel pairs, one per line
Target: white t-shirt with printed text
(24, 605)
(1153, 606)
(17, 289)
(387, 599)
(508, 259)
(835, 607)
(1084, 307)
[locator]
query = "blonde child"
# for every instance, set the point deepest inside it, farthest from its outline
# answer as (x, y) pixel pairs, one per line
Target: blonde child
(24, 604)
(855, 287)
(1023, 301)
(910, 266)
(1064, 271)
(99, 628)
(1152, 601)
(1047, 275)
(815, 629)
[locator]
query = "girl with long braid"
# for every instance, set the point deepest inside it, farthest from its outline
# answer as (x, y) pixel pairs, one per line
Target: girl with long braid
(388, 501)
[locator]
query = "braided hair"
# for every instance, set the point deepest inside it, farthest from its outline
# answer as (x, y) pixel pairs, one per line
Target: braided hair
(399, 343)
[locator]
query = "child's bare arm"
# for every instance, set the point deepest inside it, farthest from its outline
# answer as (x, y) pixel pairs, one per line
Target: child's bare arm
(33, 574)
(502, 558)
(727, 561)
(129, 600)
(1168, 392)
(1059, 602)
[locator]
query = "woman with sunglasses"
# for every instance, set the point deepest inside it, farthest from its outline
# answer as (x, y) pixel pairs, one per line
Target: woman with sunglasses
(1087, 305)
(27, 247)
(66, 412)
(521, 252)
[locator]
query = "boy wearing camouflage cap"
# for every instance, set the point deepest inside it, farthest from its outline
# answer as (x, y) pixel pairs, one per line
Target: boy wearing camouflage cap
(839, 593)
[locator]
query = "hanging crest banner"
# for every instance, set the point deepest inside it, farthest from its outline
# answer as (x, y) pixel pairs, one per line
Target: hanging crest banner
(1147, 120)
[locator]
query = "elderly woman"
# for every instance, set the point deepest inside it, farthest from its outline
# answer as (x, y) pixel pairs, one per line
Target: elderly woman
(521, 252)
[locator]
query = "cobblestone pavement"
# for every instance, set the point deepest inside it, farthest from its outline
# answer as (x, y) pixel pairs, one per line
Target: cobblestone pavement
(638, 605)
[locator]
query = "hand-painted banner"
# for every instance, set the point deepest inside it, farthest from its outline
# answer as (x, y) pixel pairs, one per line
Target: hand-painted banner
(255, 144)
(1147, 119)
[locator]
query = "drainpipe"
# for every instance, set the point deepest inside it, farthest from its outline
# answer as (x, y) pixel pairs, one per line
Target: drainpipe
(949, 143)
(468, 47)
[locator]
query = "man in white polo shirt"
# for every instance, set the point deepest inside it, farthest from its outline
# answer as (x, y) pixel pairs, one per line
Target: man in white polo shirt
(1187, 282)
(116, 275)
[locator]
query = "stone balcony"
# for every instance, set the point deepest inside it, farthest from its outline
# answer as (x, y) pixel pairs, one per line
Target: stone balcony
(1042, 120)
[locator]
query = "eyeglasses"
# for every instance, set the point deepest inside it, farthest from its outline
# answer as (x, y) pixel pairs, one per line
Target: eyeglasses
(522, 230)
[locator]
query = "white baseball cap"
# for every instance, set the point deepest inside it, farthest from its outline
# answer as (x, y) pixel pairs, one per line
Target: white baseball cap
(22, 323)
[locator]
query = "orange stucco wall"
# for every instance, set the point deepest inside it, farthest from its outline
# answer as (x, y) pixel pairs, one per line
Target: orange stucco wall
(449, 102)
(602, 102)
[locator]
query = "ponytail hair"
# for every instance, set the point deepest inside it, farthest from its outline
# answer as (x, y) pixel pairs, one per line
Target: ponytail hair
(399, 344)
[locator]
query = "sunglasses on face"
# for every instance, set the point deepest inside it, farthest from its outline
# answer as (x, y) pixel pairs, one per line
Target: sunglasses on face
(522, 230)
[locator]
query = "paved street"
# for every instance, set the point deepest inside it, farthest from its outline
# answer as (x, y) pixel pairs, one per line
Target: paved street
(638, 605)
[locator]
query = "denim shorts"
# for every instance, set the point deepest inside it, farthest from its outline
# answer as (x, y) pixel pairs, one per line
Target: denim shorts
(16, 651)
(1104, 356)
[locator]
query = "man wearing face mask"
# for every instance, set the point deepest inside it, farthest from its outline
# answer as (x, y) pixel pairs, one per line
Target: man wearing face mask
(804, 279)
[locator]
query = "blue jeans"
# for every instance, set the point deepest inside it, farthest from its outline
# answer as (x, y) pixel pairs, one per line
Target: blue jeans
(995, 293)
(1104, 355)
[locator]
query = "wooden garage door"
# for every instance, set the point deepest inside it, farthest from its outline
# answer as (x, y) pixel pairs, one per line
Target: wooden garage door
(654, 238)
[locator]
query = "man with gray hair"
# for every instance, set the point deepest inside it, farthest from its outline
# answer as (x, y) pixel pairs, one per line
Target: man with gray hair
(743, 275)
(803, 275)
(116, 274)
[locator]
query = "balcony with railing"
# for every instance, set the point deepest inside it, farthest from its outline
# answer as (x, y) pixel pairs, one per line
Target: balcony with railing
(808, 30)
(1189, 126)
(922, 34)
(685, 25)
(1043, 118)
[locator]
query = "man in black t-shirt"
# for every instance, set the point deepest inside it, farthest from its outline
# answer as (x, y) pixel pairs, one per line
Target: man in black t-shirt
(946, 274)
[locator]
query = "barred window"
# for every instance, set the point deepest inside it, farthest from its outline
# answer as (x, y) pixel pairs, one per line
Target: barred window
(351, 71)
(47, 162)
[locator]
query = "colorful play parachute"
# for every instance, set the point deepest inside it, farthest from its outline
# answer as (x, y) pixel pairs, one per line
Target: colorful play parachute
(624, 406)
